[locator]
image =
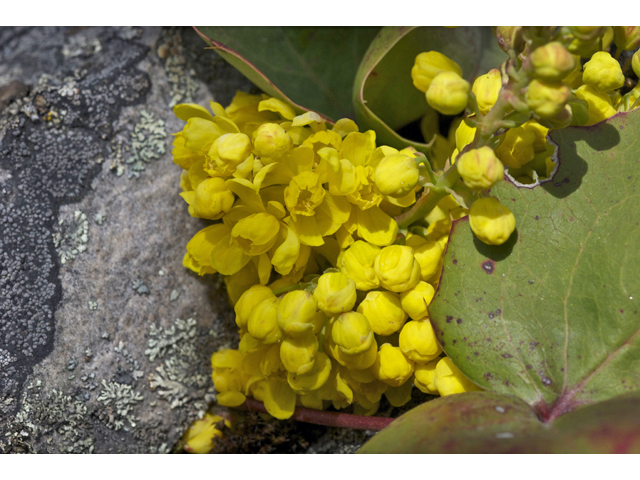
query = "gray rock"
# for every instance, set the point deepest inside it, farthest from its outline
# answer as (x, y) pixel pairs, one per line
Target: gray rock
(105, 339)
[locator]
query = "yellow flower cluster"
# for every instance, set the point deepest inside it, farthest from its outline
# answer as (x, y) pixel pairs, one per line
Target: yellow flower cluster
(330, 302)
(555, 91)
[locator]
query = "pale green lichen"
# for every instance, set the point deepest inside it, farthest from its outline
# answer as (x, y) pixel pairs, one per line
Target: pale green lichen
(123, 398)
(71, 237)
(181, 78)
(148, 142)
(139, 286)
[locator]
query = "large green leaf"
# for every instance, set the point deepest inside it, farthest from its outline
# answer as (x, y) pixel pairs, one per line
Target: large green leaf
(553, 315)
(488, 422)
(384, 97)
(311, 68)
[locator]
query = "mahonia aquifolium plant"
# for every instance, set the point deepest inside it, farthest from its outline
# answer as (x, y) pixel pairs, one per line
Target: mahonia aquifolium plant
(329, 258)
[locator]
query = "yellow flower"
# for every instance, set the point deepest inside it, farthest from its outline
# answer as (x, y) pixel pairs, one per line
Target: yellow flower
(211, 199)
(199, 134)
(257, 233)
(600, 107)
(335, 293)
(271, 140)
(263, 321)
(313, 379)
(228, 378)
(396, 175)
(298, 314)
(450, 380)
(201, 435)
(448, 93)
(464, 135)
(357, 263)
(360, 361)
(480, 169)
(397, 268)
(384, 312)
(425, 377)
(635, 63)
(276, 394)
(491, 221)
(603, 72)
(418, 341)
(552, 62)
(517, 147)
(339, 173)
(487, 88)
(626, 38)
(415, 300)
(428, 65)
(298, 354)
(427, 253)
(200, 247)
(248, 301)
(547, 99)
(391, 366)
(352, 333)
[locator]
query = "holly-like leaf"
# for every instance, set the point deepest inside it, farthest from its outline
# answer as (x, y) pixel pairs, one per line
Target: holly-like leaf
(488, 422)
(553, 315)
(384, 97)
(311, 68)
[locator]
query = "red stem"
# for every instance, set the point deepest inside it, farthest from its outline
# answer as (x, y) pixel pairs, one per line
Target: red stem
(328, 419)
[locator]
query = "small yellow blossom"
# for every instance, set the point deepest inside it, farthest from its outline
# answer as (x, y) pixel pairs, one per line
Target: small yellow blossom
(418, 341)
(552, 62)
(448, 93)
(487, 88)
(384, 312)
(450, 380)
(396, 175)
(603, 72)
(298, 354)
(397, 268)
(201, 435)
(491, 221)
(391, 366)
(298, 314)
(357, 263)
(480, 169)
(335, 293)
(428, 65)
(352, 333)
(415, 300)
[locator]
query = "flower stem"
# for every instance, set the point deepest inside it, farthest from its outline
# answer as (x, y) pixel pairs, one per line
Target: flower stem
(329, 419)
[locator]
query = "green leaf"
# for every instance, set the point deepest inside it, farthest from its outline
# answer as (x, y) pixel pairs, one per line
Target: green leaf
(311, 68)
(384, 97)
(553, 315)
(488, 422)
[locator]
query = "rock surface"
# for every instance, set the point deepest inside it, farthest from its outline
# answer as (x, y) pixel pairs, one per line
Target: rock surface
(105, 338)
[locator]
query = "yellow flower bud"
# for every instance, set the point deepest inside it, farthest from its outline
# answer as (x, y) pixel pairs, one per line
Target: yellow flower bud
(448, 93)
(226, 154)
(486, 88)
(271, 140)
(428, 254)
(396, 175)
(626, 38)
(517, 148)
(199, 134)
(227, 377)
(491, 221)
(509, 38)
(450, 380)
(212, 199)
(603, 72)
(201, 435)
(600, 107)
(384, 312)
(335, 293)
(263, 321)
(552, 62)
(428, 65)
(314, 378)
(298, 314)
(415, 300)
(397, 268)
(357, 263)
(425, 377)
(547, 100)
(248, 301)
(297, 354)
(391, 366)
(480, 169)
(418, 341)
(256, 233)
(635, 63)
(352, 333)
(358, 362)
